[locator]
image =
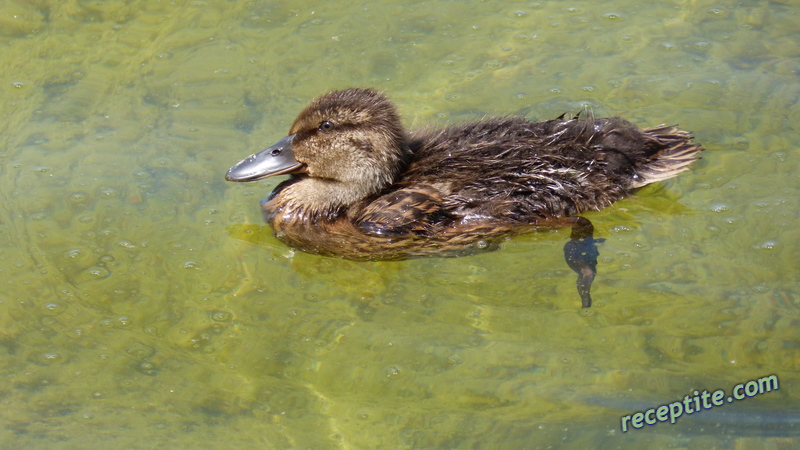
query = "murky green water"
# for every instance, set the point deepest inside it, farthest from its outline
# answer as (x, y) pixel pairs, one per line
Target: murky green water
(145, 304)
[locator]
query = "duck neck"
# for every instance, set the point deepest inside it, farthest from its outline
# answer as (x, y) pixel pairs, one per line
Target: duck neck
(322, 197)
(317, 196)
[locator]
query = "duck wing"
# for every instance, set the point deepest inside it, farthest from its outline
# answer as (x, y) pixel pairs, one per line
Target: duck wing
(403, 212)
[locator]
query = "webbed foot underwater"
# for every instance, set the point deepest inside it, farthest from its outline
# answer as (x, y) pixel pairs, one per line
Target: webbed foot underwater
(361, 187)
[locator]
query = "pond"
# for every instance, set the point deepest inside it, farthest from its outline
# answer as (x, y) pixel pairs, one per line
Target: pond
(146, 303)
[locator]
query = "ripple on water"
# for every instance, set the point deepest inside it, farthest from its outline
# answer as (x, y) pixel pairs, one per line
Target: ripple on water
(53, 308)
(48, 358)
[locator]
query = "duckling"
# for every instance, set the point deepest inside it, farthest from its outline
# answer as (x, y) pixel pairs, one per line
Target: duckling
(361, 187)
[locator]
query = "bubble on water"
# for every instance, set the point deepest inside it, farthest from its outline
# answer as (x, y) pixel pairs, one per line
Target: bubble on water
(126, 244)
(108, 192)
(140, 351)
(147, 368)
(75, 333)
(392, 371)
(221, 316)
(702, 45)
(74, 253)
(78, 197)
(719, 207)
(48, 358)
(622, 229)
(761, 289)
(53, 308)
(97, 272)
(767, 245)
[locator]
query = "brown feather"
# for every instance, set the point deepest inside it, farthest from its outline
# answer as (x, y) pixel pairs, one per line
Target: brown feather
(372, 191)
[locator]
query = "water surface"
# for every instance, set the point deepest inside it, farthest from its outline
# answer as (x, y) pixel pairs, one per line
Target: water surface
(145, 303)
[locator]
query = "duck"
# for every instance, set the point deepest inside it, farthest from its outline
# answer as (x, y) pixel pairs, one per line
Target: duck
(362, 187)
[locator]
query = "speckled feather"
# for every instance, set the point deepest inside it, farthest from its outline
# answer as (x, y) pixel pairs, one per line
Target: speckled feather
(372, 192)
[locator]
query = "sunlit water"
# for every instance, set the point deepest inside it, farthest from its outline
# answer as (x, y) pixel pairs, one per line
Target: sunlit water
(145, 303)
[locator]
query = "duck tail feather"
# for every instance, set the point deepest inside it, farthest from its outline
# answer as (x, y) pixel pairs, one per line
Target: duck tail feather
(670, 151)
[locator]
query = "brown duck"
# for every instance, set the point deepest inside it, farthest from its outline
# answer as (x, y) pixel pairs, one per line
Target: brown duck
(361, 187)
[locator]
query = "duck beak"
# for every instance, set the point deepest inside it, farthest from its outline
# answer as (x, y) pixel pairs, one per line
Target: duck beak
(275, 160)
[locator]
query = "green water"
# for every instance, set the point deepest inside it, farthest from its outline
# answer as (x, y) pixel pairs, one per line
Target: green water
(145, 304)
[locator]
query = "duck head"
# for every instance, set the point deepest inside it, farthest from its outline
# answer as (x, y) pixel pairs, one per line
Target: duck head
(344, 146)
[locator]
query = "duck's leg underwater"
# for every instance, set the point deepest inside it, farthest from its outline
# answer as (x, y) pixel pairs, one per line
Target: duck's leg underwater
(581, 256)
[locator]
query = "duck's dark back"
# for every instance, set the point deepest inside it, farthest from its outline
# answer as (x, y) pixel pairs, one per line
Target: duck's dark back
(514, 169)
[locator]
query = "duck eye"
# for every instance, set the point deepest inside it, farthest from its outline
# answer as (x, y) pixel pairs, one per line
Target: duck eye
(326, 126)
